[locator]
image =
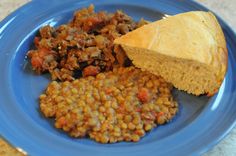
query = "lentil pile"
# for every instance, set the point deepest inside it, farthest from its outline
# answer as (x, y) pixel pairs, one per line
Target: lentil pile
(119, 105)
(82, 47)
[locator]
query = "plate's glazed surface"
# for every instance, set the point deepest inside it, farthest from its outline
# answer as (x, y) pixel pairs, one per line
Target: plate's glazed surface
(200, 123)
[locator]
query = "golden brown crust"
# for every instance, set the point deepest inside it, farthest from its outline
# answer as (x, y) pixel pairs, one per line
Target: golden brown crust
(221, 54)
(195, 35)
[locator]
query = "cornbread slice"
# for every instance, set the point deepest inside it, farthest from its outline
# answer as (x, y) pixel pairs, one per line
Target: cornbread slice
(187, 50)
(7, 150)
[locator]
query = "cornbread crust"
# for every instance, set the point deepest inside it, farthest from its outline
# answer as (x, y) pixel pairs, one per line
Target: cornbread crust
(195, 37)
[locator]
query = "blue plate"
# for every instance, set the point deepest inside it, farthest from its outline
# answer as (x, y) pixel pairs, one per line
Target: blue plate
(200, 124)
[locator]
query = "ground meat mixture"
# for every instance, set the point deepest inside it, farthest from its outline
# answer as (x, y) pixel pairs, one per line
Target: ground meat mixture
(120, 105)
(83, 47)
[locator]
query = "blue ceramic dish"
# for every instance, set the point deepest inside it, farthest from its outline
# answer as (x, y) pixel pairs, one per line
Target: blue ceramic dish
(200, 124)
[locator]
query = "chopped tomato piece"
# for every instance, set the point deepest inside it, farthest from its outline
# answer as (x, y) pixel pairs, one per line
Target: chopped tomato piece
(159, 114)
(36, 61)
(143, 95)
(91, 70)
(138, 109)
(61, 122)
(108, 91)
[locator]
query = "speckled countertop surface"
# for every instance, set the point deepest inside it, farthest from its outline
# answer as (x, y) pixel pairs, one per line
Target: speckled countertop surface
(226, 9)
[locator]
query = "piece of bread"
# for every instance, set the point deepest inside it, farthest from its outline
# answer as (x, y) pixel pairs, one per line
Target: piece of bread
(7, 150)
(187, 50)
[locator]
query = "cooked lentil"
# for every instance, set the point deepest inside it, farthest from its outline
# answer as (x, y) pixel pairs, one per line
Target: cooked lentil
(83, 47)
(120, 105)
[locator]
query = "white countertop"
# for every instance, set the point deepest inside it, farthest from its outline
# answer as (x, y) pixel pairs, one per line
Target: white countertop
(224, 8)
